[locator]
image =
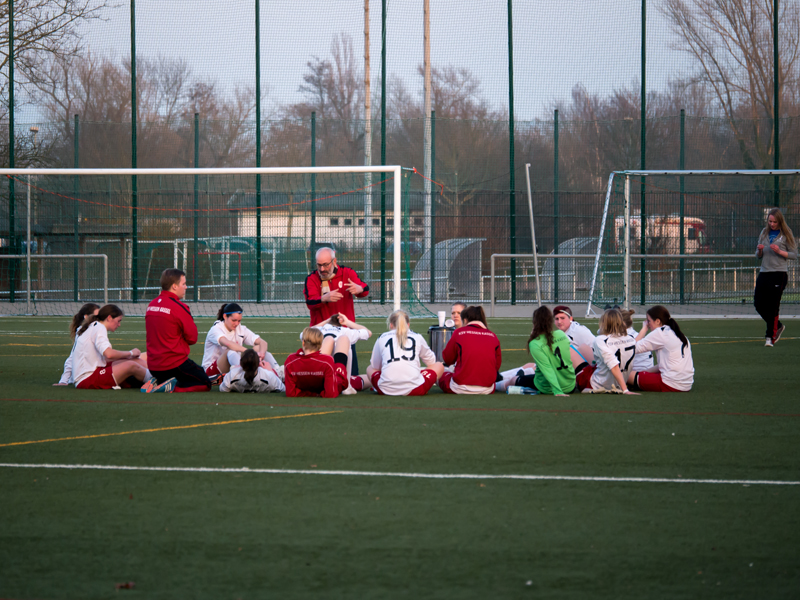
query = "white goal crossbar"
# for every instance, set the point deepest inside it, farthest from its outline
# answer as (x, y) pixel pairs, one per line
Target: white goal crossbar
(396, 170)
(627, 213)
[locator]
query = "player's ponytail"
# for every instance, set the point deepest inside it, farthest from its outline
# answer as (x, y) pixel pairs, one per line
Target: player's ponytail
(86, 310)
(249, 363)
(227, 310)
(399, 320)
(627, 316)
(543, 324)
(662, 314)
(109, 310)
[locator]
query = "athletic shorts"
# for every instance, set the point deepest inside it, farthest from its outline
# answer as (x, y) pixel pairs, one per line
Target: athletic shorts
(101, 379)
(428, 376)
(213, 369)
(651, 382)
(191, 377)
(342, 378)
(583, 379)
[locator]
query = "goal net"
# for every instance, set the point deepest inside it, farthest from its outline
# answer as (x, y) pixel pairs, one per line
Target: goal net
(248, 235)
(687, 240)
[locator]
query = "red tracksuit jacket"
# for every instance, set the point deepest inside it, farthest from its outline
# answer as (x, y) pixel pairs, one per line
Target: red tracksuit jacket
(170, 331)
(313, 291)
(476, 353)
(313, 375)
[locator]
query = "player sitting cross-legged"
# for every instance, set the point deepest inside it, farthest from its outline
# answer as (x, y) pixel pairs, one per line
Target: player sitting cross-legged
(394, 369)
(96, 365)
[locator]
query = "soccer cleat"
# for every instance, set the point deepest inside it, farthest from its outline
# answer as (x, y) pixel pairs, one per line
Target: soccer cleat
(778, 334)
(165, 387)
(148, 385)
(349, 391)
(214, 379)
(769, 343)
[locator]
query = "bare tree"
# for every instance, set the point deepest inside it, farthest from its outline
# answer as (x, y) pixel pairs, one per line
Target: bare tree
(732, 43)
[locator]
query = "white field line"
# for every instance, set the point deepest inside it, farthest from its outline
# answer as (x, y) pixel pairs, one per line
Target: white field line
(393, 474)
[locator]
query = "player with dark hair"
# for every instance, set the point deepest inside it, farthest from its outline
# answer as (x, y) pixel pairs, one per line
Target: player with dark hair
(96, 365)
(476, 353)
(170, 331)
(226, 341)
(395, 368)
(249, 376)
(549, 347)
(776, 247)
(614, 350)
(86, 311)
(308, 372)
(674, 371)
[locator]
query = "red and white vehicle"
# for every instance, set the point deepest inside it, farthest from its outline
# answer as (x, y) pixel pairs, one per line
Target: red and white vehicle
(664, 234)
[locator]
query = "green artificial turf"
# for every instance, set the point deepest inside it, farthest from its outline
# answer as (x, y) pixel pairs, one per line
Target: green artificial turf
(78, 533)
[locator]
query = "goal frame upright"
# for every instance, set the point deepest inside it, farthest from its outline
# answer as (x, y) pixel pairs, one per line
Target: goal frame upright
(395, 170)
(627, 174)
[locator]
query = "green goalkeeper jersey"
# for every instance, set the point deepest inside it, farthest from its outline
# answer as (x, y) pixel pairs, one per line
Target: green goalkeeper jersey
(554, 371)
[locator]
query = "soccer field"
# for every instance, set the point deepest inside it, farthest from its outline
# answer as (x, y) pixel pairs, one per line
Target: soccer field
(245, 496)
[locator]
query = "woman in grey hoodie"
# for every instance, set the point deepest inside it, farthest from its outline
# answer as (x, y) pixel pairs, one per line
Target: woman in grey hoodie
(776, 247)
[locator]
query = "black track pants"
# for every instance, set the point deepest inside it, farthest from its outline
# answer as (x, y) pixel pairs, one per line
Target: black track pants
(767, 299)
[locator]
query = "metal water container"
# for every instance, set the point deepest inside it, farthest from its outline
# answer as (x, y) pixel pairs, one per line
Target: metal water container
(438, 338)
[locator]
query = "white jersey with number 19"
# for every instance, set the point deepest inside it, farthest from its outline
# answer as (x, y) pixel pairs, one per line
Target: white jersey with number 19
(400, 367)
(611, 351)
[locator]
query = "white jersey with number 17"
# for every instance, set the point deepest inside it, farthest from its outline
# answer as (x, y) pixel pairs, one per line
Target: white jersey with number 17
(399, 367)
(611, 351)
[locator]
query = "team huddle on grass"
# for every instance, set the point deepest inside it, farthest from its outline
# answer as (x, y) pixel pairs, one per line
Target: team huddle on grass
(567, 357)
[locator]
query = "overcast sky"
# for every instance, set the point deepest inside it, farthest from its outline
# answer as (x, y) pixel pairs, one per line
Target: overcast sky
(557, 43)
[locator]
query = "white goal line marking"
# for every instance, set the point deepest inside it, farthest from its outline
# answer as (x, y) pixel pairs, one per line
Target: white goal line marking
(394, 474)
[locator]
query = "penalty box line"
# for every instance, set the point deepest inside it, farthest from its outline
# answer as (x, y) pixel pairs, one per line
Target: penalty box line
(471, 476)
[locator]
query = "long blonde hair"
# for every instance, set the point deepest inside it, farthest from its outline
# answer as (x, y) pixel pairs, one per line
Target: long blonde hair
(399, 320)
(312, 339)
(782, 226)
(612, 322)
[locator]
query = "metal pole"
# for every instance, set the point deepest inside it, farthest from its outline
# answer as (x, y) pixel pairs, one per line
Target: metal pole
(28, 244)
(626, 270)
(397, 216)
(533, 236)
(12, 271)
(682, 166)
(259, 272)
(313, 184)
(75, 191)
(433, 208)
(367, 150)
(512, 183)
(491, 285)
(555, 205)
(134, 183)
(195, 283)
(600, 242)
(426, 112)
(383, 151)
(776, 100)
(643, 211)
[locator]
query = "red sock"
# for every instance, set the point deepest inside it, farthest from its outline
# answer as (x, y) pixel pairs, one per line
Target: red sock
(193, 388)
(357, 383)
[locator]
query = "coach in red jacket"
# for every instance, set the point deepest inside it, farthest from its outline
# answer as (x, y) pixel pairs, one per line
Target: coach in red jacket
(170, 331)
(329, 290)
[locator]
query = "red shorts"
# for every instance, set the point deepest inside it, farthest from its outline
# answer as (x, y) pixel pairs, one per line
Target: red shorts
(444, 382)
(583, 379)
(212, 370)
(651, 382)
(101, 379)
(428, 375)
(342, 379)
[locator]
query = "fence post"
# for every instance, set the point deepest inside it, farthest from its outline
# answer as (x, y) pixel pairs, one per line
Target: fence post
(259, 272)
(383, 151)
(433, 207)
(682, 166)
(75, 191)
(12, 271)
(195, 282)
(512, 183)
(776, 101)
(134, 183)
(643, 211)
(313, 184)
(555, 205)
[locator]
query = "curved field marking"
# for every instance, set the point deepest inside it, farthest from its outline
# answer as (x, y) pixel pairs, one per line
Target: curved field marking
(399, 474)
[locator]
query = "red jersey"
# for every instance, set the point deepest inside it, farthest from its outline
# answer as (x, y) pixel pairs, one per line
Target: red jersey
(315, 287)
(476, 354)
(170, 331)
(313, 375)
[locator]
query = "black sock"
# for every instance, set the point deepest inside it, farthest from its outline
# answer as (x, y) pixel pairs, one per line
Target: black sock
(340, 358)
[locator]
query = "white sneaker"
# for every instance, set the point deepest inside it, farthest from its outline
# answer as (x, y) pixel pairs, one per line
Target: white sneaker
(349, 391)
(281, 374)
(769, 343)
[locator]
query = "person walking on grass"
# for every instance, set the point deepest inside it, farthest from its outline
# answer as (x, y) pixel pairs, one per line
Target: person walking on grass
(170, 331)
(776, 247)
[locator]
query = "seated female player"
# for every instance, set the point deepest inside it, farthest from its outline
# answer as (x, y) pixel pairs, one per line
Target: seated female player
(308, 372)
(642, 361)
(674, 371)
(226, 341)
(96, 365)
(249, 376)
(475, 351)
(549, 348)
(335, 327)
(613, 349)
(87, 310)
(394, 369)
(580, 337)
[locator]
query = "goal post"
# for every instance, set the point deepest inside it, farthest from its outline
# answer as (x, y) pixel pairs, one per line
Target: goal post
(692, 245)
(206, 221)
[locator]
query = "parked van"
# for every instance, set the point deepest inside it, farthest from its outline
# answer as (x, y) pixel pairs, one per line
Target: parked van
(663, 234)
